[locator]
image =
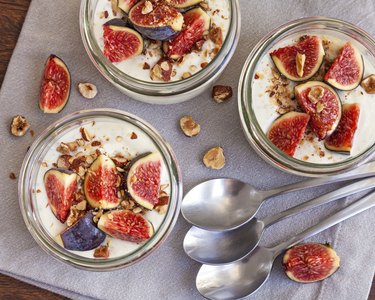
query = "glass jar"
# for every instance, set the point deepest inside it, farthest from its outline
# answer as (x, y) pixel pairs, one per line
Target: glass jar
(29, 176)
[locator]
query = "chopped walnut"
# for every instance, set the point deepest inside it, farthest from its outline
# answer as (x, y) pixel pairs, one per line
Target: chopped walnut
(204, 5)
(74, 215)
(186, 75)
(216, 35)
(63, 148)
(189, 127)
(368, 84)
(146, 66)
(19, 126)
(316, 93)
(87, 90)
(96, 143)
(320, 107)
(133, 136)
(12, 176)
(300, 63)
(85, 134)
(147, 8)
(162, 70)
(221, 93)
(102, 252)
(214, 158)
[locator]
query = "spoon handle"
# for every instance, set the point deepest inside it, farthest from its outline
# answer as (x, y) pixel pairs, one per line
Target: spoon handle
(353, 188)
(365, 170)
(349, 211)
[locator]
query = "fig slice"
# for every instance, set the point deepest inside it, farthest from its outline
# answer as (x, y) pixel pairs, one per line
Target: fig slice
(287, 131)
(101, 183)
(346, 72)
(310, 262)
(156, 20)
(82, 235)
(126, 5)
(323, 105)
(197, 23)
(341, 140)
(143, 179)
(183, 3)
(121, 43)
(126, 225)
(60, 186)
(301, 61)
(55, 86)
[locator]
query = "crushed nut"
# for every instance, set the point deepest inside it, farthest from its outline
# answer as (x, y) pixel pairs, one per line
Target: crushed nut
(316, 93)
(186, 75)
(162, 70)
(19, 126)
(319, 107)
(204, 5)
(221, 93)
(12, 176)
(82, 205)
(204, 64)
(189, 127)
(71, 145)
(96, 143)
(164, 66)
(133, 136)
(74, 215)
(164, 186)
(147, 8)
(87, 90)
(85, 134)
(97, 215)
(63, 161)
(162, 209)
(137, 210)
(300, 63)
(368, 84)
(216, 35)
(80, 142)
(63, 148)
(102, 252)
(146, 66)
(214, 158)
(284, 109)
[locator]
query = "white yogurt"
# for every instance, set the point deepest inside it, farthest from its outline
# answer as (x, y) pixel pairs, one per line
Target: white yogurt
(107, 132)
(220, 15)
(265, 108)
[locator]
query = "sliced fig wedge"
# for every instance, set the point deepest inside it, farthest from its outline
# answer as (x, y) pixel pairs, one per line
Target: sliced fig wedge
(341, 140)
(126, 225)
(82, 235)
(126, 5)
(121, 43)
(346, 71)
(55, 86)
(323, 105)
(310, 262)
(156, 20)
(60, 186)
(101, 183)
(143, 179)
(197, 23)
(301, 61)
(183, 3)
(287, 131)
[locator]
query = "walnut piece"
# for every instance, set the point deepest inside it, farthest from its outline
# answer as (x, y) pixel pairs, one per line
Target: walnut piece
(147, 8)
(85, 134)
(189, 127)
(102, 252)
(19, 126)
(221, 93)
(216, 35)
(87, 90)
(162, 70)
(300, 63)
(368, 84)
(214, 158)
(320, 107)
(316, 93)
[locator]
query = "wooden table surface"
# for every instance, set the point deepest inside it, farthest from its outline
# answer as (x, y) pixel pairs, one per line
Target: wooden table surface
(12, 15)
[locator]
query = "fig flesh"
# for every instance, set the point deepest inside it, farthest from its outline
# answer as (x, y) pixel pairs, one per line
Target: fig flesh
(310, 262)
(126, 225)
(341, 140)
(346, 71)
(156, 20)
(143, 180)
(55, 86)
(101, 183)
(301, 61)
(121, 43)
(126, 5)
(197, 24)
(60, 186)
(287, 131)
(183, 3)
(323, 105)
(82, 235)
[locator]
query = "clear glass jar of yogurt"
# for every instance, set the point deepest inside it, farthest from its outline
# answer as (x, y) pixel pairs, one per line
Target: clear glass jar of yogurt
(258, 113)
(132, 80)
(107, 126)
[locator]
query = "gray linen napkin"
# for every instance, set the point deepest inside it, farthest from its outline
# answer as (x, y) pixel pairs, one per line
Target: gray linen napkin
(52, 27)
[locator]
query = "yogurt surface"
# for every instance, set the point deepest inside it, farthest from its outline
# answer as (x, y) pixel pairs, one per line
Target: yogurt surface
(219, 11)
(312, 150)
(115, 137)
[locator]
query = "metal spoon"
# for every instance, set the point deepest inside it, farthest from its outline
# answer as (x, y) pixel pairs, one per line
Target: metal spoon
(231, 203)
(243, 277)
(215, 247)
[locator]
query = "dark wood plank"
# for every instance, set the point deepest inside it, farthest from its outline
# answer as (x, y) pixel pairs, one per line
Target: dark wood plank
(12, 15)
